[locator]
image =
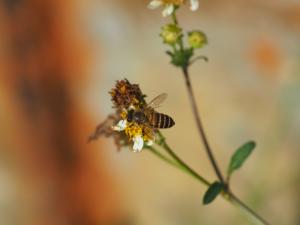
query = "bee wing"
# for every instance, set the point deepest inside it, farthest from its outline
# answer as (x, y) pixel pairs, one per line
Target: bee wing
(156, 102)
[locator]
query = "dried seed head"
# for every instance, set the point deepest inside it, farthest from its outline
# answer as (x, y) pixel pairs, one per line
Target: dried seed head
(125, 94)
(105, 129)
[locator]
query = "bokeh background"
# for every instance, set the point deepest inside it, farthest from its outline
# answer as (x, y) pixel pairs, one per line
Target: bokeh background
(58, 60)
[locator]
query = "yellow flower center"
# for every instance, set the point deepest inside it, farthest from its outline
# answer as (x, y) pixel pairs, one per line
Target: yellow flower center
(123, 115)
(175, 2)
(197, 39)
(133, 130)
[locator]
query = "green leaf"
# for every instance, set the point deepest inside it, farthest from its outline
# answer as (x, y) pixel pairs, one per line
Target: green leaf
(240, 156)
(212, 192)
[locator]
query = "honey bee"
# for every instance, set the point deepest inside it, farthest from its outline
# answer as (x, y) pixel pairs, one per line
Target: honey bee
(149, 116)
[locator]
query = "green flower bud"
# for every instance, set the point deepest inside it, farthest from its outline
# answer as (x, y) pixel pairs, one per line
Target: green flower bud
(171, 34)
(197, 39)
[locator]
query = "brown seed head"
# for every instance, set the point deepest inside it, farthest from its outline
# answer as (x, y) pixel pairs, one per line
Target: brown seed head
(125, 94)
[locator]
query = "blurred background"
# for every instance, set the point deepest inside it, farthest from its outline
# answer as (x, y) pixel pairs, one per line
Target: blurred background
(58, 60)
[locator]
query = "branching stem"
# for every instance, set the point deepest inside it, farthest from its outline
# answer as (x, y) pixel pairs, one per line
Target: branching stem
(186, 167)
(227, 195)
(196, 112)
(200, 126)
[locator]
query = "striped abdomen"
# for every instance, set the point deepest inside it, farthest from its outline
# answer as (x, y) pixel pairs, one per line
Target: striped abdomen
(159, 120)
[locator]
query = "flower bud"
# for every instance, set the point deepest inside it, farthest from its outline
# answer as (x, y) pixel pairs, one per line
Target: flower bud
(171, 34)
(197, 39)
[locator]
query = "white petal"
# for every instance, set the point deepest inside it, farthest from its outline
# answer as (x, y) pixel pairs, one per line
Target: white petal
(155, 4)
(149, 143)
(138, 143)
(194, 5)
(168, 10)
(121, 125)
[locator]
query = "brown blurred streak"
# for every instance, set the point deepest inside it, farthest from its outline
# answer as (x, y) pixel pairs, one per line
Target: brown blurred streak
(44, 61)
(291, 16)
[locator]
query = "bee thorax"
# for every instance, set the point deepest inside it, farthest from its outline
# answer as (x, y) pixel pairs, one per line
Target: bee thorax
(136, 116)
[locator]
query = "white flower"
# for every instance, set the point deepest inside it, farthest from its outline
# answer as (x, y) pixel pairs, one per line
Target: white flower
(121, 125)
(138, 143)
(149, 143)
(168, 10)
(155, 4)
(194, 5)
(169, 5)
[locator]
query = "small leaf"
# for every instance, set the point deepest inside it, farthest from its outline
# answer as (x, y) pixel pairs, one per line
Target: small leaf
(170, 53)
(212, 192)
(240, 156)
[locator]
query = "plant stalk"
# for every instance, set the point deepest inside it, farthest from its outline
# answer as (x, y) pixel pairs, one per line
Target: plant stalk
(196, 112)
(227, 195)
(192, 172)
(257, 219)
(200, 126)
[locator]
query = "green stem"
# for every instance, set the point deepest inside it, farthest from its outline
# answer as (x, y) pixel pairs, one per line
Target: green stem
(227, 195)
(175, 21)
(186, 167)
(179, 163)
(174, 18)
(196, 112)
(174, 48)
(163, 157)
(200, 126)
(257, 219)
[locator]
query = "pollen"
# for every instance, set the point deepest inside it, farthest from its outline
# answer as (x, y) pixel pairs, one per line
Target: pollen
(175, 2)
(123, 89)
(123, 115)
(136, 102)
(133, 130)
